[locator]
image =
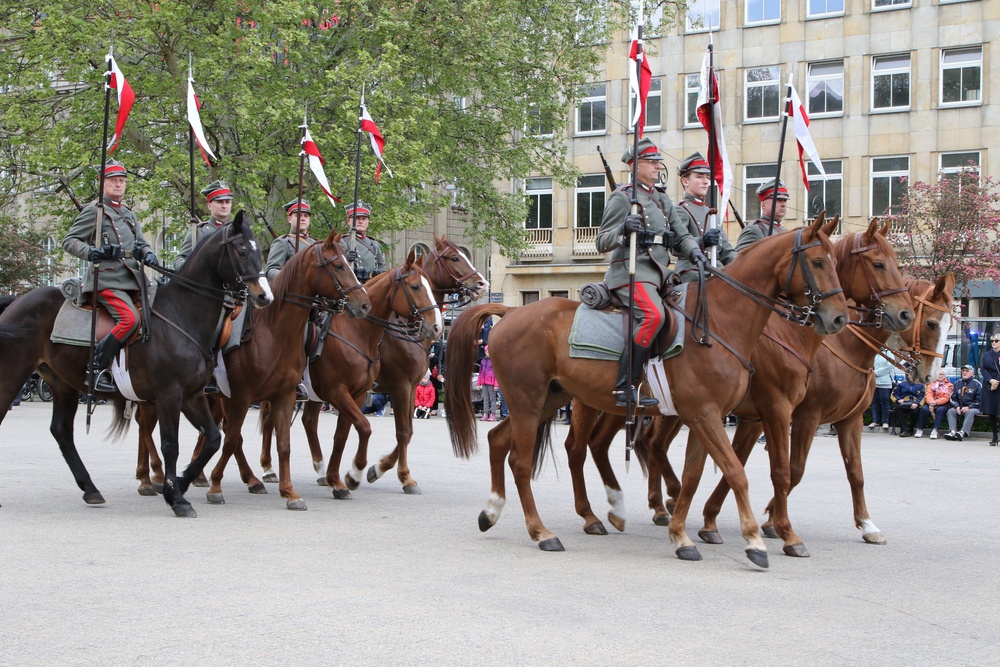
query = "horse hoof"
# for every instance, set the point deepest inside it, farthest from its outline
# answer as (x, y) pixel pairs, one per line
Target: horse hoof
(216, 498)
(484, 522)
(322, 481)
(796, 550)
(769, 531)
(551, 544)
(94, 498)
(671, 504)
(271, 477)
(373, 475)
(874, 538)
(710, 536)
(661, 520)
(617, 521)
(146, 490)
(257, 489)
(200, 482)
(185, 511)
(688, 553)
(341, 494)
(596, 528)
(158, 487)
(412, 490)
(351, 483)
(296, 504)
(758, 557)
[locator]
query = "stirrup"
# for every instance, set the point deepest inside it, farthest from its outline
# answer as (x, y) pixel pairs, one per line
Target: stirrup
(211, 388)
(641, 401)
(102, 381)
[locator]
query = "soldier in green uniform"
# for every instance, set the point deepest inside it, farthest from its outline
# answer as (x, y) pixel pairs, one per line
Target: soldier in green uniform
(696, 178)
(367, 256)
(117, 250)
(756, 230)
(283, 248)
(658, 229)
(220, 206)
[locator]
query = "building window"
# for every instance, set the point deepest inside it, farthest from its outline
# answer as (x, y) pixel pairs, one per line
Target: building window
(702, 16)
(753, 176)
(590, 196)
(419, 250)
(528, 297)
(692, 84)
(51, 248)
(961, 76)
(955, 164)
(539, 191)
(654, 105)
(591, 113)
(825, 195)
(763, 94)
(888, 186)
(823, 8)
(890, 4)
(536, 126)
(653, 24)
(891, 82)
(825, 89)
(763, 11)
(564, 293)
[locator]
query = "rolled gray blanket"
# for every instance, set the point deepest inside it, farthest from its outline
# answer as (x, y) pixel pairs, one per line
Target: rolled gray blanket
(71, 288)
(595, 295)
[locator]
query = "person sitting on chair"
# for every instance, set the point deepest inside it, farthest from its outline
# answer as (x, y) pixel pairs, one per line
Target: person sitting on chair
(908, 397)
(964, 403)
(937, 398)
(424, 398)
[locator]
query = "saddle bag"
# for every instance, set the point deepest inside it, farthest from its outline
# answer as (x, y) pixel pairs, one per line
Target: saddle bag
(72, 291)
(596, 296)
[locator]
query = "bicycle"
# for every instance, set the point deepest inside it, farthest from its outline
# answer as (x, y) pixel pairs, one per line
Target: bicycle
(36, 385)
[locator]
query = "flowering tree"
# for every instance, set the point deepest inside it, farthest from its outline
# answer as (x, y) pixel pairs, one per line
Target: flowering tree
(952, 226)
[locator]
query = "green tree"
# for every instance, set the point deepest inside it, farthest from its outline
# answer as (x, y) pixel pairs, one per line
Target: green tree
(452, 86)
(22, 256)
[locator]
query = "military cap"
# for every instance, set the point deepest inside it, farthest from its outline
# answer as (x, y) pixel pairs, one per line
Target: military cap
(696, 163)
(295, 205)
(363, 209)
(112, 168)
(647, 151)
(766, 190)
(217, 191)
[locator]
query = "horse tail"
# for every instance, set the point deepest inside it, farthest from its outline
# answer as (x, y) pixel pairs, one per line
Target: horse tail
(461, 357)
(119, 422)
(640, 447)
(543, 443)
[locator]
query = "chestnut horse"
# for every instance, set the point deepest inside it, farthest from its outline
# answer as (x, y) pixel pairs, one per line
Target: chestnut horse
(531, 357)
(400, 364)
(782, 359)
(169, 370)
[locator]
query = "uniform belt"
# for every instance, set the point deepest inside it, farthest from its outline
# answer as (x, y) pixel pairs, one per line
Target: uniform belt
(649, 238)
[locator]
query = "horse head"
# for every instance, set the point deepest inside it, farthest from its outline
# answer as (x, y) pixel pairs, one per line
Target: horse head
(408, 294)
(878, 288)
(246, 262)
(924, 342)
(449, 270)
(809, 276)
(340, 282)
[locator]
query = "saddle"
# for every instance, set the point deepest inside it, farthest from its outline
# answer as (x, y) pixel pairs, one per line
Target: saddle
(72, 325)
(597, 333)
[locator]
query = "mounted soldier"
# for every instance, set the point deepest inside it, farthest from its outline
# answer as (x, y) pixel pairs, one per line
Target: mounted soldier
(220, 206)
(117, 250)
(366, 253)
(695, 176)
(297, 238)
(759, 228)
(659, 230)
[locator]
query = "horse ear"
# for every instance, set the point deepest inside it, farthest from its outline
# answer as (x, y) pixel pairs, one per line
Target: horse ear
(814, 229)
(884, 230)
(870, 232)
(332, 239)
(238, 221)
(830, 226)
(411, 257)
(944, 285)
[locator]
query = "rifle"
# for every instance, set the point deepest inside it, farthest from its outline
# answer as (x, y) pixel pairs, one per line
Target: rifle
(607, 171)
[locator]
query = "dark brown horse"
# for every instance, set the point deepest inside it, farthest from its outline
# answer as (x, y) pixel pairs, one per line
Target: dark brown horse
(531, 357)
(782, 359)
(169, 371)
(400, 364)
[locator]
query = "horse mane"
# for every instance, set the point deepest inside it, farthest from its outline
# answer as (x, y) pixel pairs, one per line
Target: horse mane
(287, 276)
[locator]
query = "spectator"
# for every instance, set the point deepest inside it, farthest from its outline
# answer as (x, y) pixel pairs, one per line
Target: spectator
(425, 398)
(436, 363)
(883, 389)
(937, 397)
(989, 369)
(378, 403)
(484, 339)
(908, 396)
(965, 402)
(488, 383)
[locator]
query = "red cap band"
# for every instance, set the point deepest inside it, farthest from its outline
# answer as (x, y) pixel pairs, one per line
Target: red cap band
(114, 170)
(215, 194)
(768, 194)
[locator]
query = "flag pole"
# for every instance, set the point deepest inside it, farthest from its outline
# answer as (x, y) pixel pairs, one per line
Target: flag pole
(302, 172)
(99, 224)
(781, 150)
(713, 187)
(194, 211)
(357, 175)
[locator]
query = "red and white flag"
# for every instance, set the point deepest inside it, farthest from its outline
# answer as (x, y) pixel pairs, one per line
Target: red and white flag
(639, 81)
(126, 98)
(194, 120)
(375, 135)
(708, 90)
(316, 166)
(800, 126)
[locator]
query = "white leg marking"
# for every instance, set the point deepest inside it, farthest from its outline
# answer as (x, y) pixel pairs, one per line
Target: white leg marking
(355, 473)
(494, 506)
(868, 527)
(319, 466)
(616, 498)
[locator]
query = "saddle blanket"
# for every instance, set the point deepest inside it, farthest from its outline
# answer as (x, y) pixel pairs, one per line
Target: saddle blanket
(597, 334)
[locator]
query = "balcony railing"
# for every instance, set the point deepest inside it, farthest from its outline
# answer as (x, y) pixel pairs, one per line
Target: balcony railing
(584, 242)
(539, 243)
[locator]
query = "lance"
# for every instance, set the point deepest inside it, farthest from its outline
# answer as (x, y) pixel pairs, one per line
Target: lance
(302, 168)
(713, 188)
(99, 224)
(781, 150)
(357, 176)
(607, 171)
(194, 214)
(736, 212)
(326, 220)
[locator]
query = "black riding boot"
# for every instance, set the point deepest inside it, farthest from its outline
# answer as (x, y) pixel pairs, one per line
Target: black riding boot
(99, 374)
(631, 376)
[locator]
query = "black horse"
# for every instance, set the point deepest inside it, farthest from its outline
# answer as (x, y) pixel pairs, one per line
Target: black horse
(170, 370)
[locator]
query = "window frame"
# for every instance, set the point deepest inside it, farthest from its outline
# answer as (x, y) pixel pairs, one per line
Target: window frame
(891, 73)
(892, 6)
(753, 23)
(941, 72)
(891, 174)
(948, 172)
(776, 83)
(834, 172)
(597, 187)
(750, 185)
(591, 102)
(824, 15)
(691, 103)
(658, 96)
(538, 192)
(812, 79)
(689, 29)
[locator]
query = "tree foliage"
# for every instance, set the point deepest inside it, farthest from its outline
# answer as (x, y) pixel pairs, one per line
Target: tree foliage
(22, 256)
(952, 226)
(451, 84)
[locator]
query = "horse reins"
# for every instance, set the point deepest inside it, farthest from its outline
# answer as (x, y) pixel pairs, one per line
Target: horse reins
(874, 315)
(335, 306)
(411, 328)
(466, 295)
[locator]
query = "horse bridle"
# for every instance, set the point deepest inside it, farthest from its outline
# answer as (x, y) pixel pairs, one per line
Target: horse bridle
(466, 295)
(915, 351)
(410, 330)
(873, 316)
(227, 292)
(335, 306)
